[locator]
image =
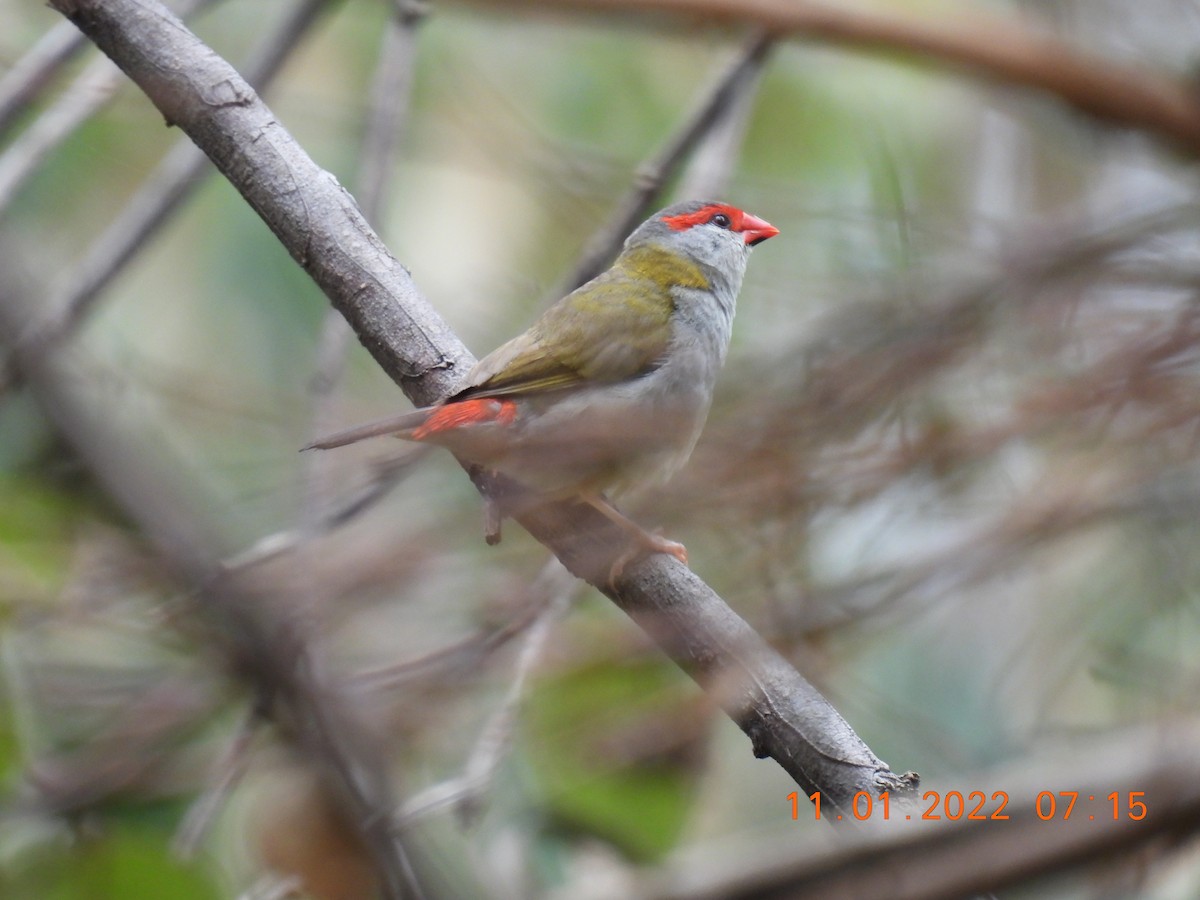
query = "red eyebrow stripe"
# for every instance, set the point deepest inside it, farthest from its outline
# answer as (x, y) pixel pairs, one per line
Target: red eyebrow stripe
(684, 221)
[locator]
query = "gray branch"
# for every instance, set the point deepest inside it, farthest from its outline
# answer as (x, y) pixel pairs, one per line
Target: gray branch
(321, 226)
(30, 74)
(639, 200)
(160, 196)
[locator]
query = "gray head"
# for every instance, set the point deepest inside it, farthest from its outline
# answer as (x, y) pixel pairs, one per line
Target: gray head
(714, 235)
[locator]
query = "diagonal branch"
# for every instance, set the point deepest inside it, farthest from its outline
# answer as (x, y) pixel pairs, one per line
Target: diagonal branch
(387, 114)
(323, 229)
(639, 200)
(161, 195)
(271, 653)
(90, 92)
(26, 78)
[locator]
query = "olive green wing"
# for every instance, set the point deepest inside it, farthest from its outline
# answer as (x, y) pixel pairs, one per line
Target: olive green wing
(615, 327)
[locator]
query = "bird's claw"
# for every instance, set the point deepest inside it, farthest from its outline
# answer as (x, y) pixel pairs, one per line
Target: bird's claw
(646, 542)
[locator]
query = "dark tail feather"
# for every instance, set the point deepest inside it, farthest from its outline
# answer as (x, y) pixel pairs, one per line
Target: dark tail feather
(393, 425)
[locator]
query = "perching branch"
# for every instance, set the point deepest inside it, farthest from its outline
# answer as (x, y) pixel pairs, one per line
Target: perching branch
(323, 229)
(387, 114)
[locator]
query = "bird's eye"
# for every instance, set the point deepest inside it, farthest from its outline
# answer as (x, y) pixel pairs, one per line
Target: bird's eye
(720, 220)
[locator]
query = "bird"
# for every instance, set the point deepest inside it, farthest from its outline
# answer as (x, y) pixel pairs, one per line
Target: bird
(610, 387)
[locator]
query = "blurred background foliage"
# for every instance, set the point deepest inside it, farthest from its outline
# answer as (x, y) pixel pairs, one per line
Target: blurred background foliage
(951, 470)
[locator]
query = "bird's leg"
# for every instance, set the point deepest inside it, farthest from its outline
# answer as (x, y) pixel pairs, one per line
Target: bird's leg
(655, 543)
(493, 516)
(491, 488)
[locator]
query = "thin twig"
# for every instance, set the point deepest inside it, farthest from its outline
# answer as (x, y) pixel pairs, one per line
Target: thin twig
(161, 195)
(33, 71)
(89, 92)
(227, 772)
(987, 46)
(386, 474)
(87, 95)
(640, 199)
(461, 656)
(387, 111)
(465, 793)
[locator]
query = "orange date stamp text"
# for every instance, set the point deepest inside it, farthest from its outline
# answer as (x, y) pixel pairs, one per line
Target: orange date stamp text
(980, 806)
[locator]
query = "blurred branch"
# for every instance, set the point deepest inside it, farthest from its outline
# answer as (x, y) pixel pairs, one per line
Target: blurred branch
(58, 46)
(271, 653)
(868, 355)
(387, 110)
(466, 792)
(275, 887)
(226, 774)
(322, 228)
(90, 92)
(385, 474)
(21, 83)
(87, 94)
(1143, 371)
(128, 750)
(467, 654)
(941, 860)
(640, 200)
(160, 196)
(714, 159)
(982, 45)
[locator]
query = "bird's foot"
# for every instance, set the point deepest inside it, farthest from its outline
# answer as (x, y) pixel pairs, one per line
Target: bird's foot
(656, 543)
(646, 542)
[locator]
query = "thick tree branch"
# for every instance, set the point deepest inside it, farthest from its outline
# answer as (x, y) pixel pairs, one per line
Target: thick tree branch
(980, 44)
(313, 216)
(324, 231)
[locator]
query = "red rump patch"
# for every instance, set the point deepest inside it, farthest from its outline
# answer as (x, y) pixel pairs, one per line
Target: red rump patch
(684, 221)
(465, 412)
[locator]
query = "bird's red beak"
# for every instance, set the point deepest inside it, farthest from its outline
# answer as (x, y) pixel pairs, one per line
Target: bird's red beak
(755, 230)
